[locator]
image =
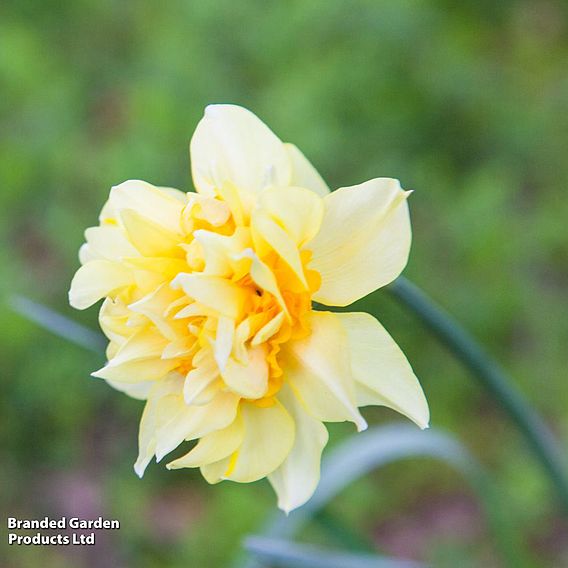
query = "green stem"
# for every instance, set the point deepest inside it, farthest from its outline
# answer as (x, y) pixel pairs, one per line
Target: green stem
(492, 377)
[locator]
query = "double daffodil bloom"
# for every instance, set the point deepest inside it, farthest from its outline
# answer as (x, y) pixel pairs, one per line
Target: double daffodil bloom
(208, 306)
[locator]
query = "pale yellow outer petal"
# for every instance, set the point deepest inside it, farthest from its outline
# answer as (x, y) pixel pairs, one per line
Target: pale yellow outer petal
(267, 440)
(213, 447)
(97, 279)
(162, 401)
(296, 479)
(140, 391)
(364, 240)
(155, 203)
(214, 472)
(163, 205)
(136, 371)
(155, 414)
(138, 359)
(384, 375)
(231, 144)
(303, 173)
(113, 319)
(318, 369)
(192, 422)
(108, 242)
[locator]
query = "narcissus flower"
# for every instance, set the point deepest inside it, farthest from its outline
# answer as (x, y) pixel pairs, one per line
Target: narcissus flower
(208, 306)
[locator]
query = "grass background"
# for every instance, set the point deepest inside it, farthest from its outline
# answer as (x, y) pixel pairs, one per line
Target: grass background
(464, 102)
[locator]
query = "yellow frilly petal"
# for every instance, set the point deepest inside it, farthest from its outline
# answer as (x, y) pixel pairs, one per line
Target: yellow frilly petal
(189, 422)
(213, 447)
(162, 401)
(148, 237)
(250, 379)
(218, 293)
(108, 241)
(138, 359)
(164, 206)
(97, 279)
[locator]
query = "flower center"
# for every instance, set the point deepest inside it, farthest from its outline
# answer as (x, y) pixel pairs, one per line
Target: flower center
(238, 302)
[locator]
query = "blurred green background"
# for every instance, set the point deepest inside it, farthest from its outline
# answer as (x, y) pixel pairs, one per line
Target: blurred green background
(466, 103)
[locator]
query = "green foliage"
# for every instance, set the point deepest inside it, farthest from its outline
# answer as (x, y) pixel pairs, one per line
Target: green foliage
(464, 102)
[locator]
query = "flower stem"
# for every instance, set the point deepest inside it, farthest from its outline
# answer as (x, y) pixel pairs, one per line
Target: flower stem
(492, 377)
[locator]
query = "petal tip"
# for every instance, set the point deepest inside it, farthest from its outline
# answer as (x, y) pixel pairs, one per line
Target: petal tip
(361, 423)
(139, 469)
(285, 509)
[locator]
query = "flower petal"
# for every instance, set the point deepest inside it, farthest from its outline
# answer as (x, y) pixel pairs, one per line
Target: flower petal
(224, 341)
(161, 401)
(297, 210)
(97, 279)
(198, 380)
(140, 391)
(219, 250)
(155, 203)
(218, 293)
(296, 479)
(149, 238)
(303, 173)
(268, 330)
(250, 379)
(267, 234)
(262, 275)
(191, 422)
(319, 372)
(231, 144)
(154, 306)
(138, 359)
(268, 439)
(379, 365)
(364, 240)
(108, 241)
(213, 447)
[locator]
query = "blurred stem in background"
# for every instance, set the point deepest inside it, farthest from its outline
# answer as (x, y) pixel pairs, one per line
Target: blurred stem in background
(492, 377)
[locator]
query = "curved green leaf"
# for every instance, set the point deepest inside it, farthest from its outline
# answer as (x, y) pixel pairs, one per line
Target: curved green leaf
(383, 445)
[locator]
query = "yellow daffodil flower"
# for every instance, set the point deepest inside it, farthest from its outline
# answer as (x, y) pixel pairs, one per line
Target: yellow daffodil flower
(208, 306)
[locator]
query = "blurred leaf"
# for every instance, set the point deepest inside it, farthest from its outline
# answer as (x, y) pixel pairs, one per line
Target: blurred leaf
(288, 554)
(380, 446)
(57, 324)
